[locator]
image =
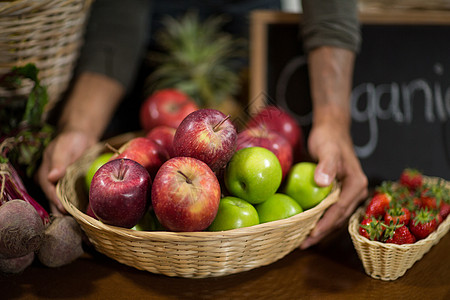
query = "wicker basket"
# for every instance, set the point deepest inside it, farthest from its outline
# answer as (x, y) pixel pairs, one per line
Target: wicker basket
(47, 33)
(186, 254)
(390, 261)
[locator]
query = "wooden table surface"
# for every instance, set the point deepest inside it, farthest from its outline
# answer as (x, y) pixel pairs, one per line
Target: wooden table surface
(330, 270)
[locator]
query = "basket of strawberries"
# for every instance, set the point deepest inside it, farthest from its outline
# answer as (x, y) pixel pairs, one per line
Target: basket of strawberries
(400, 223)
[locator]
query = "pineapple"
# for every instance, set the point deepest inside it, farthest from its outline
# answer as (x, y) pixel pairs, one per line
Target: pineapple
(197, 58)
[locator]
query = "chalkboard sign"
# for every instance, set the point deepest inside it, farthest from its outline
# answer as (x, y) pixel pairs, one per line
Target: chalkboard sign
(401, 87)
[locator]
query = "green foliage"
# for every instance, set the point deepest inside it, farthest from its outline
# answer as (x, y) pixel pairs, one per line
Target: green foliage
(197, 58)
(24, 134)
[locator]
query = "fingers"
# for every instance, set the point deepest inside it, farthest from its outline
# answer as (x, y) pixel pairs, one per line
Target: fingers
(57, 211)
(55, 171)
(322, 228)
(326, 169)
(59, 154)
(326, 150)
(336, 159)
(48, 182)
(354, 189)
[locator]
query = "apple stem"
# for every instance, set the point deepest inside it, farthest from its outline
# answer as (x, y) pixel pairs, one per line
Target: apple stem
(216, 127)
(264, 130)
(116, 151)
(122, 170)
(188, 180)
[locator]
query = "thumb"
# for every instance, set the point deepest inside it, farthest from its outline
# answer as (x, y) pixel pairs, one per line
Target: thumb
(55, 174)
(58, 165)
(326, 169)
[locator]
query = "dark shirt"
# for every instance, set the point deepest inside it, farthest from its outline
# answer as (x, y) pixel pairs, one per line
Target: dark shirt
(119, 32)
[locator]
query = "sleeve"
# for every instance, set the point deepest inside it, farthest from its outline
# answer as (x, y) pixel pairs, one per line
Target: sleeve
(331, 23)
(115, 39)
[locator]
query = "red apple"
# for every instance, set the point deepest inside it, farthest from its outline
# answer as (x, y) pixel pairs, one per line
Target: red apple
(165, 107)
(89, 211)
(263, 137)
(185, 194)
(144, 151)
(163, 135)
(208, 135)
(120, 192)
(280, 121)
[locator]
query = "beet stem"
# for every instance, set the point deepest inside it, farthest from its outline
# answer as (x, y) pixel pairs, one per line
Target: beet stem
(13, 188)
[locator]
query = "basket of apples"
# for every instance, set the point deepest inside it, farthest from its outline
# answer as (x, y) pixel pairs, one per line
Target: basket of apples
(400, 223)
(196, 198)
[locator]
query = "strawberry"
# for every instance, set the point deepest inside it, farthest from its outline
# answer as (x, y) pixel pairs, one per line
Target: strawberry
(378, 205)
(402, 194)
(411, 178)
(428, 200)
(424, 222)
(371, 229)
(399, 234)
(444, 210)
(416, 202)
(433, 195)
(397, 215)
(380, 201)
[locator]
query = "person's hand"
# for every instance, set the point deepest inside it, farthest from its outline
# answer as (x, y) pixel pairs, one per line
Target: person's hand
(67, 147)
(333, 149)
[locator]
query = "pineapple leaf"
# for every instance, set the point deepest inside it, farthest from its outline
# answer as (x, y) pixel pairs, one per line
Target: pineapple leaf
(198, 58)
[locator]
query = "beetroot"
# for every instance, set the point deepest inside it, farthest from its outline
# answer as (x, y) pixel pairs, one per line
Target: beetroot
(12, 187)
(62, 243)
(16, 265)
(21, 229)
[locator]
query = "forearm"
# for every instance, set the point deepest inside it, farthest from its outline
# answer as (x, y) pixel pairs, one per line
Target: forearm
(91, 105)
(331, 34)
(331, 73)
(332, 38)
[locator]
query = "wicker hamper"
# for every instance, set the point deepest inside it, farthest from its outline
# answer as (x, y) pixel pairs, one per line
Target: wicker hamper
(47, 33)
(186, 254)
(390, 261)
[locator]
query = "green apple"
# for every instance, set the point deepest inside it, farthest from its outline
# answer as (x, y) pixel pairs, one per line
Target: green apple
(147, 222)
(95, 165)
(253, 174)
(301, 186)
(234, 213)
(278, 206)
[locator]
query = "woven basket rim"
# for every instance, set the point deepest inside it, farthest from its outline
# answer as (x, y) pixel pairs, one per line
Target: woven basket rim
(213, 235)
